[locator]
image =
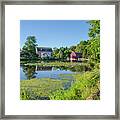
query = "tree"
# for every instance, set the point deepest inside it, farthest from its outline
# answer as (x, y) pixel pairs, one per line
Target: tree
(61, 53)
(67, 53)
(94, 30)
(55, 53)
(81, 47)
(28, 51)
(91, 48)
(72, 48)
(94, 42)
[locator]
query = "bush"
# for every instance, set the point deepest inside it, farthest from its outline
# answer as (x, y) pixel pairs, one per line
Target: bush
(85, 87)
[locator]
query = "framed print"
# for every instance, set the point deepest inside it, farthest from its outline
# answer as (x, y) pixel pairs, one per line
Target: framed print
(60, 59)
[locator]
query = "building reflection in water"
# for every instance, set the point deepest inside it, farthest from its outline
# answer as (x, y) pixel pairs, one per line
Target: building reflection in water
(31, 71)
(43, 68)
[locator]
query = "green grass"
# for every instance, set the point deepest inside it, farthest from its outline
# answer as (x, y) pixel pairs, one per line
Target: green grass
(86, 86)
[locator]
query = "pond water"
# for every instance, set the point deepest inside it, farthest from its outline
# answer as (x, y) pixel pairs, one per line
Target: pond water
(29, 72)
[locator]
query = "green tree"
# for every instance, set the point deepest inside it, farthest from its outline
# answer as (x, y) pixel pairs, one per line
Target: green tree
(67, 53)
(28, 51)
(61, 53)
(94, 30)
(91, 48)
(81, 47)
(55, 53)
(94, 43)
(72, 48)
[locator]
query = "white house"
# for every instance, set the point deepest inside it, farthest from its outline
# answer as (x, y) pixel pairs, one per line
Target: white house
(44, 52)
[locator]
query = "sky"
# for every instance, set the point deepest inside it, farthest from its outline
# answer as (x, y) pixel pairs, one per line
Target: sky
(54, 33)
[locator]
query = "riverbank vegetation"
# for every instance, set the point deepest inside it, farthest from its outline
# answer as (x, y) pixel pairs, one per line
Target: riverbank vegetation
(84, 87)
(72, 66)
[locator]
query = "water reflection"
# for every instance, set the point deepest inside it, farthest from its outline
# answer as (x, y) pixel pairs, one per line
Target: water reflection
(43, 68)
(61, 68)
(29, 72)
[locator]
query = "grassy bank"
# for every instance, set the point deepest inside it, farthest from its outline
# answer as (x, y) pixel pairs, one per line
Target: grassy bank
(59, 64)
(73, 66)
(85, 86)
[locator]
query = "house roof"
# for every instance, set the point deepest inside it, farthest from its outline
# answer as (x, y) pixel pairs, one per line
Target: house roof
(45, 49)
(77, 54)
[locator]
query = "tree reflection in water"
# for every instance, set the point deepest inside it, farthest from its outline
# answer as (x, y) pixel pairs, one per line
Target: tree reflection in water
(50, 72)
(29, 71)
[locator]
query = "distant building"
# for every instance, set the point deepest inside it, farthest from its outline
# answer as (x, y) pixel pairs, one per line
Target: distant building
(44, 52)
(75, 56)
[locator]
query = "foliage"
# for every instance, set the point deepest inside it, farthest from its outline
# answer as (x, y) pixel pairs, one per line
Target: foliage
(39, 88)
(72, 66)
(29, 71)
(94, 42)
(29, 49)
(82, 47)
(86, 86)
(72, 48)
(61, 53)
(91, 48)
(94, 30)
(94, 49)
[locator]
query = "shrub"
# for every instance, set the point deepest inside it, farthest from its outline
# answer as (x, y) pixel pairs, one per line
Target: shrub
(85, 87)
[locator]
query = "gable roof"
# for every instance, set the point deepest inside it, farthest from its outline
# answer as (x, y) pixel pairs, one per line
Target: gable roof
(44, 49)
(77, 54)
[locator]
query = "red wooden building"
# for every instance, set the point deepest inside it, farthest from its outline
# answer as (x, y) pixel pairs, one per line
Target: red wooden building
(75, 56)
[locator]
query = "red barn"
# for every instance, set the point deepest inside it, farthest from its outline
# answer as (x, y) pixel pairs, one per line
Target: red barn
(75, 56)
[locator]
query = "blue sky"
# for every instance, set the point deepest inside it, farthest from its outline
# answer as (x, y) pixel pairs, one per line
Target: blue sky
(54, 33)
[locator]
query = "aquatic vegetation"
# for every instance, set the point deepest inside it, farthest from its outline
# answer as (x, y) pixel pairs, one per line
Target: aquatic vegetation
(86, 86)
(39, 88)
(81, 87)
